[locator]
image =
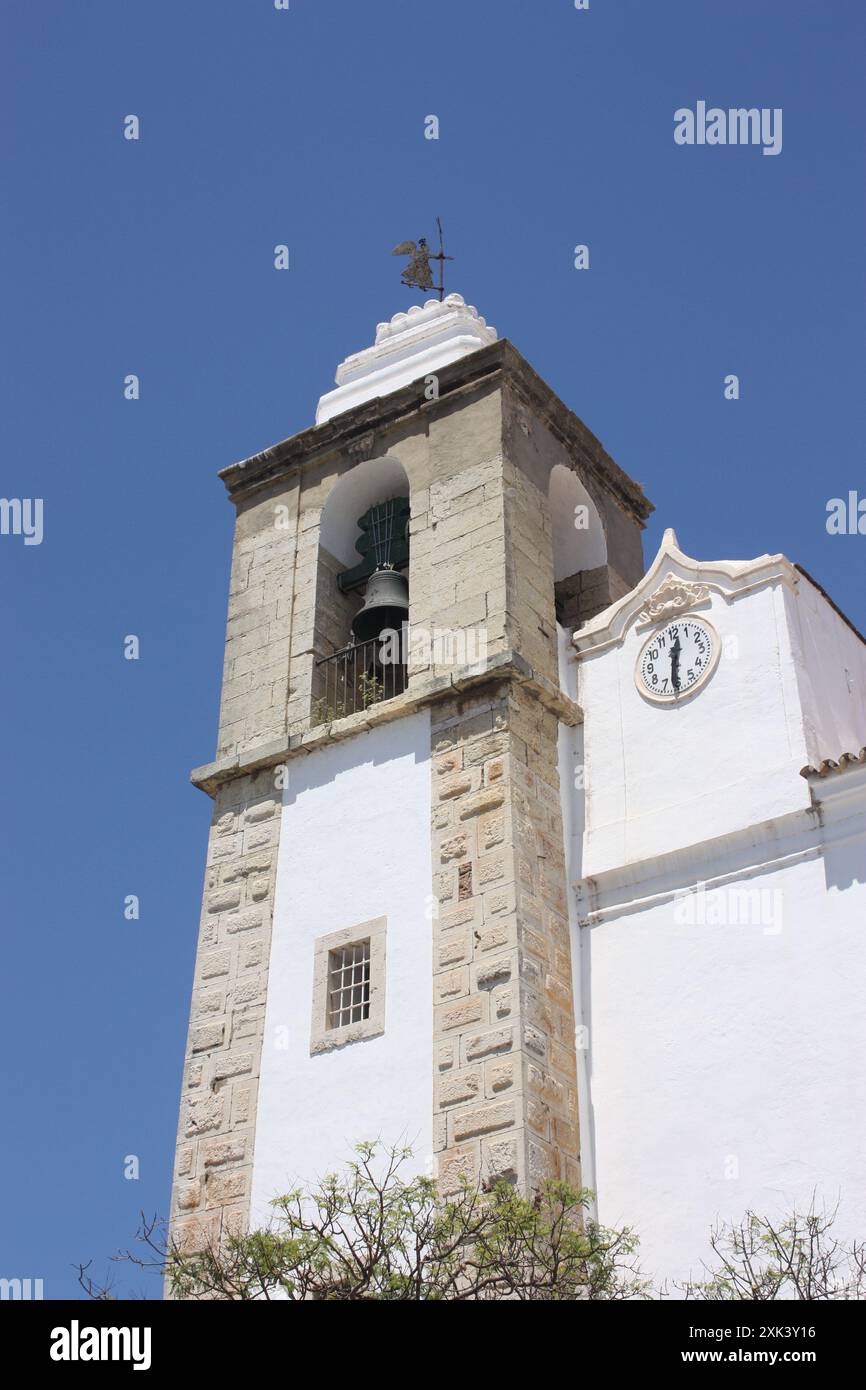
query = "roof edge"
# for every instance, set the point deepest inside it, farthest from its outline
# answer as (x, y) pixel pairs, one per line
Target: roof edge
(357, 425)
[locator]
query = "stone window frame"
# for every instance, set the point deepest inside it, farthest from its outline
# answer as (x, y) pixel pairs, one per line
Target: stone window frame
(324, 1038)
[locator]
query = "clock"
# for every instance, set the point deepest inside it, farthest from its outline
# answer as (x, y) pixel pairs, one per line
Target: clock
(677, 659)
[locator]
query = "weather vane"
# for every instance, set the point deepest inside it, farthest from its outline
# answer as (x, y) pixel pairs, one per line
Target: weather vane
(417, 274)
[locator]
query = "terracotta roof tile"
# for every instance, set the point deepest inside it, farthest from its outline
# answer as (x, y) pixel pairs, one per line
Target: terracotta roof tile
(839, 764)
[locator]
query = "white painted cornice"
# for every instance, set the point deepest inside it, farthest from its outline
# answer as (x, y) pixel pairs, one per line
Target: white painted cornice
(676, 583)
(409, 346)
(734, 858)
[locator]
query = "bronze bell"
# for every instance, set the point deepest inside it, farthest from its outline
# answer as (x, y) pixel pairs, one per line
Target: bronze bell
(386, 604)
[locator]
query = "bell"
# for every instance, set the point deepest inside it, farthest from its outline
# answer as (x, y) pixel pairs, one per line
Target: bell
(386, 605)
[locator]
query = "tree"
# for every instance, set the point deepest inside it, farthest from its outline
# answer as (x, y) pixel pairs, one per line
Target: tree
(759, 1261)
(368, 1234)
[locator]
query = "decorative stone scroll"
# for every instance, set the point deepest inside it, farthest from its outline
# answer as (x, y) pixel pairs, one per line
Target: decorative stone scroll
(671, 597)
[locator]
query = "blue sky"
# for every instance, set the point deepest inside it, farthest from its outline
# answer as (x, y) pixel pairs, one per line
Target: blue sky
(155, 257)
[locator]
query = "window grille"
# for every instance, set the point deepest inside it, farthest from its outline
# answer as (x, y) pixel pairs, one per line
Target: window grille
(349, 985)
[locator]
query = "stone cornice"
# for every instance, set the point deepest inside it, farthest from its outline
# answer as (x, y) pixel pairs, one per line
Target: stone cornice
(493, 364)
(508, 666)
(570, 430)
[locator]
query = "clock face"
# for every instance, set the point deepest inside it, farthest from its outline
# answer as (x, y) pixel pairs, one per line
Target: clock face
(677, 659)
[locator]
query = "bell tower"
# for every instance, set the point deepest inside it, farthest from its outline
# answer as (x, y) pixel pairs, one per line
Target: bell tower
(385, 948)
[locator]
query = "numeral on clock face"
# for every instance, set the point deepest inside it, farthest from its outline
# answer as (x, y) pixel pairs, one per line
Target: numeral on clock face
(676, 660)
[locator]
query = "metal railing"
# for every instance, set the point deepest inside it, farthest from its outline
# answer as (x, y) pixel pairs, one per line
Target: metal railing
(355, 678)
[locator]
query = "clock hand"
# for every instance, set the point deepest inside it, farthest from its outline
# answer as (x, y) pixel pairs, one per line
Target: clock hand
(676, 649)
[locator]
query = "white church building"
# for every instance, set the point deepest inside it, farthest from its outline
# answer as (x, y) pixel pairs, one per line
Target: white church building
(571, 882)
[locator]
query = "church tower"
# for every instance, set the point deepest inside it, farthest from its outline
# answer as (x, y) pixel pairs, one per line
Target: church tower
(385, 948)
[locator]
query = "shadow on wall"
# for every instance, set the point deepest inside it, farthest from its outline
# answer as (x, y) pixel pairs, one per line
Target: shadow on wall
(580, 571)
(845, 863)
(400, 738)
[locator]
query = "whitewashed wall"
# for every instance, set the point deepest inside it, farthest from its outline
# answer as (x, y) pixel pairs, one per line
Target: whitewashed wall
(728, 1062)
(660, 777)
(354, 845)
(830, 660)
(726, 1066)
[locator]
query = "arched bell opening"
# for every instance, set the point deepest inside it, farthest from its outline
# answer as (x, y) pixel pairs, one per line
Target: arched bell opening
(580, 570)
(363, 591)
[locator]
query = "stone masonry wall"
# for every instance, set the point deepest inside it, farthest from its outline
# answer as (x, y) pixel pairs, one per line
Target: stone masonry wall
(457, 568)
(259, 624)
(505, 1095)
(581, 596)
(218, 1105)
(457, 534)
(531, 450)
(529, 559)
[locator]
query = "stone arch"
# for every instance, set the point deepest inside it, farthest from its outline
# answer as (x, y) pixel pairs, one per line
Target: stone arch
(580, 569)
(376, 480)
(361, 487)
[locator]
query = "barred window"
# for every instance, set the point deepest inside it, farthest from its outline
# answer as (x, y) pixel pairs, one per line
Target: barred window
(349, 985)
